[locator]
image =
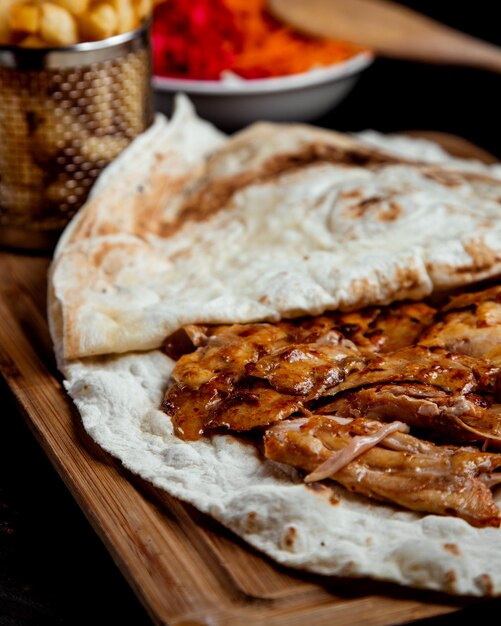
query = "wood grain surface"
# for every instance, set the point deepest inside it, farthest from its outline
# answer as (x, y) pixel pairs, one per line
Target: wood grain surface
(185, 568)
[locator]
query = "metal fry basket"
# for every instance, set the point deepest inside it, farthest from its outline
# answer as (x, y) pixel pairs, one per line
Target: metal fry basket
(65, 113)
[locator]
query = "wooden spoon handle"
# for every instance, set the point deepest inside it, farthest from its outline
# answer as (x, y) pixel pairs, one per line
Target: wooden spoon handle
(389, 29)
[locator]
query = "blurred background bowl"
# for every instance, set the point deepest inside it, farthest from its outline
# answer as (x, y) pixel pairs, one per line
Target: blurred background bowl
(234, 102)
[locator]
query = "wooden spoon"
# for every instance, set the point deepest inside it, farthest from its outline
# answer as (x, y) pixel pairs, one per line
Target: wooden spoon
(389, 29)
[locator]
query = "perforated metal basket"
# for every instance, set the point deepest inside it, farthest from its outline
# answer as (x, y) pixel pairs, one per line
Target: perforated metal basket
(65, 113)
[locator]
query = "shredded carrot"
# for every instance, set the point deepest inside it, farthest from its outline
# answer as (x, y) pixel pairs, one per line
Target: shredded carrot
(201, 38)
(272, 49)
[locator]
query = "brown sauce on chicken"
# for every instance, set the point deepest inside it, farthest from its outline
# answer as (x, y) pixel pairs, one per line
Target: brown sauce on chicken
(252, 375)
(420, 476)
(470, 324)
(435, 370)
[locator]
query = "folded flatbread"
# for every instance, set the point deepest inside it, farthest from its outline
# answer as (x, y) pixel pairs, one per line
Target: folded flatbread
(188, 226)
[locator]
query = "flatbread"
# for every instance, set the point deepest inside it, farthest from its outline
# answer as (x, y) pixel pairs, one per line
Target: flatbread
(304, 222)
(280, 222)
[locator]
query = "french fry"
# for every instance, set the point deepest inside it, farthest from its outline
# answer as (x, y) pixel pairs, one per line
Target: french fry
(33, 41)
(5, 31)
(75, 7)
(125, 14)
(57, 25)
(143, 9)
(65, 22)
(100, 22)
(25, 18)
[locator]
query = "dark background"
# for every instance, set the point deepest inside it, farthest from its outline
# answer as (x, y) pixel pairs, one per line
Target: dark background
(398, 95)
(53, 568)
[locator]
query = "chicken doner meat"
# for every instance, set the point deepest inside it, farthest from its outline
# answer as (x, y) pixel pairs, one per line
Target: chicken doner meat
(470, 324)
(245, 376)
(384, 329)
(336, 395)
(382, 461)
(451, 396)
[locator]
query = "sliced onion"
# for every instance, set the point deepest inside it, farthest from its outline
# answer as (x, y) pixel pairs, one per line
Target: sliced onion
(357, 446)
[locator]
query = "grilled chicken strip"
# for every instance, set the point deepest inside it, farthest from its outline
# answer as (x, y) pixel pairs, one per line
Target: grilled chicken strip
(384, 329)
(255, 374)
(454, 373)
(373, 329)
(415, 474)
(307, 369)
(448, 395)
(471, 324)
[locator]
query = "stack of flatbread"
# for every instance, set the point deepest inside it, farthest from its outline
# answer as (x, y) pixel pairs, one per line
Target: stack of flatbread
(188, 226)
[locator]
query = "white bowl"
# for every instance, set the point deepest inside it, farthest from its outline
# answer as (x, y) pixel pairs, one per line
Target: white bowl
(235, 102)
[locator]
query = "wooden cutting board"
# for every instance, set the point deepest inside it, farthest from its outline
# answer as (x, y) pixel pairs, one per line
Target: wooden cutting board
(186, 569)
